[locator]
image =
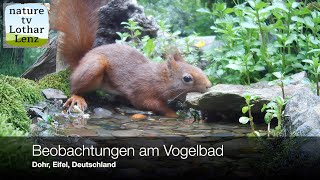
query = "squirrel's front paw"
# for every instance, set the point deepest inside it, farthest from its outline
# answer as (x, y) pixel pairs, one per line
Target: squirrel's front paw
(74, 99)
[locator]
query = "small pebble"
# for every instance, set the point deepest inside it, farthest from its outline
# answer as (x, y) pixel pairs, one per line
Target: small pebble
(138, 117)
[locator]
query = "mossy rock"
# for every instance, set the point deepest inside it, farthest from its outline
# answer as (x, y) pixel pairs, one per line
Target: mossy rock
(60, 80)
(8, 129)
(29, 90)
(11, 105)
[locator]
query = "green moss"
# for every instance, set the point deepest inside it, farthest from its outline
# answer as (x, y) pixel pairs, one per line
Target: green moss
(11, 105)
(58, 80)
(28, 89)
(8, 129)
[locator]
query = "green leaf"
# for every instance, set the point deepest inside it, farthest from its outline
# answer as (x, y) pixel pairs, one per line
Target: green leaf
(221, 6)
(313, 50)
(277, 74)
(149, 47)
(259, 68)
(137, 33)
(176, 33)
(244, 120)
(281, 6)
(315, 61)
(297, 19)
(291, 38)
(204, 10)
(247, 97)
(295, 5)
(279, 101)
(264, 107)
(302, 36)
(235, 67)
(220, 72)
(229, 10)
(309, 61)
(249, 25)
(308, 21)
(268, 117)
(314, 40)
(252, 4)
(245, 109)
(260, 4)
(279, 25)
(266, 10)
(257, 133)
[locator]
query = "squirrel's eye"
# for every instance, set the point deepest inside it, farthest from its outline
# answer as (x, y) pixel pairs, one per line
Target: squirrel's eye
(187, 78)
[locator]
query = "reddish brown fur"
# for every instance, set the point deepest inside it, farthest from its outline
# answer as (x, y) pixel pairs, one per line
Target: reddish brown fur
(71, 17)
(120, 69)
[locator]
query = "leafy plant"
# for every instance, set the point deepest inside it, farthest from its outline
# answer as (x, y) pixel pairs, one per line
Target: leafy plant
(314, 69)
(248, 109)
(258, 38)
(134, 32)
(182, 15)
(274, 109)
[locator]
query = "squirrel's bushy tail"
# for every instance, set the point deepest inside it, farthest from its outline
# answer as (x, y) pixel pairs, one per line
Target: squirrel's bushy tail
(78, 20)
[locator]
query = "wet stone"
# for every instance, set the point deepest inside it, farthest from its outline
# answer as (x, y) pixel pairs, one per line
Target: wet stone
(219, 131)
(196, 135)
(202, 131)
(150, 133)
(104, 132)
(46, 133)
(131, 111)
(53, 94)
(185, 128)
(110, 126)
(35, 129)
(168, 119)
(130, 126)
(224, 127)
(102, 113)
(160, 127)
(202, 126)
(122, 121)
(242, 131)
(80, 132)
(223, 134)
(126, 133)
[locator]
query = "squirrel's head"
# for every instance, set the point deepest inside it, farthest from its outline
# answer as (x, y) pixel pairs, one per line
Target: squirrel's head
(184, 77)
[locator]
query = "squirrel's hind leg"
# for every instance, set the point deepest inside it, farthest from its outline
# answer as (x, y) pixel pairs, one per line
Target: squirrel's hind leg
(156, 106)
(87, 76)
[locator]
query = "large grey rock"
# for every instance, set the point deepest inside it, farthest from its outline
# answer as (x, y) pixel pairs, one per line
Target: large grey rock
(117, 11)
(227, 97)
(302, 114)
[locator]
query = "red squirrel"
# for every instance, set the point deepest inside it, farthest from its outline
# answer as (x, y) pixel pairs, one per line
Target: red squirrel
(119, 69)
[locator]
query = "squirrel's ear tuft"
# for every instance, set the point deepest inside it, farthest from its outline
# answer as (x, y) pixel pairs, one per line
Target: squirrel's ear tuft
(178, 57)
(175, 55)
(172, 64)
